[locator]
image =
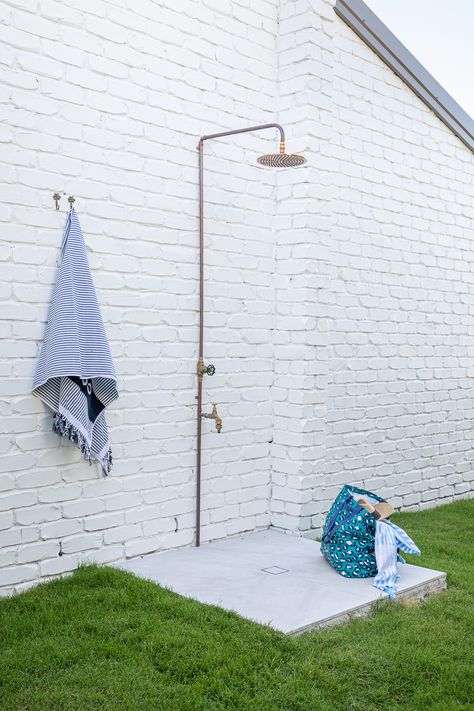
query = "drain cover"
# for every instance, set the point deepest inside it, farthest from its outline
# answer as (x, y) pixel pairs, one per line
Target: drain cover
(274, 570)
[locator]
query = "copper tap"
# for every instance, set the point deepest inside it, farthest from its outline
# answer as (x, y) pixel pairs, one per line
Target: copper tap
(214, 416)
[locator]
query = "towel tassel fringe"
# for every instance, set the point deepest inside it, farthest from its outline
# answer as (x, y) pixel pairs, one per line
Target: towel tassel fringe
(64, 428)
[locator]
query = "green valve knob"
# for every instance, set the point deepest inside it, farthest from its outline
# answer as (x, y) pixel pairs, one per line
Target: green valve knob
(211, 369)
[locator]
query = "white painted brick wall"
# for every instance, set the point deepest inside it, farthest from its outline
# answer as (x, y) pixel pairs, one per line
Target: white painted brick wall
(400, 390)
(106, 101)
(384, 335)
(338, 306)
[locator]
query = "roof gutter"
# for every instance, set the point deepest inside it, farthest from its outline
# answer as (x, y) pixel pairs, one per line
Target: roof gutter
(383, 42)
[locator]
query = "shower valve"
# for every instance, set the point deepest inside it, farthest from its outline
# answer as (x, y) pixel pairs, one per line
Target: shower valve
(204, 369)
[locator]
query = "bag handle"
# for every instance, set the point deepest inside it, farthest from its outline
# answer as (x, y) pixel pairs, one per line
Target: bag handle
(330, 533)
(337, 511)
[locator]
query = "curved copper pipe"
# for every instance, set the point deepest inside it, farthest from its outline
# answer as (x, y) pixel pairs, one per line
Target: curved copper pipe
(200, 365)
(245, 130)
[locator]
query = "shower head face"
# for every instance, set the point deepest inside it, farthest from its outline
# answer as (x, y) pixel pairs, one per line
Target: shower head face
(281, 160)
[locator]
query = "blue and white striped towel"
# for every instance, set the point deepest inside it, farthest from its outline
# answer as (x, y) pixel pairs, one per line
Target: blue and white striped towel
(389, 539)
(75, 375)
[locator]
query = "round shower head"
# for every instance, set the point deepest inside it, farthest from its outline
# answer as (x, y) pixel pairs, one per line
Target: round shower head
(281, 159)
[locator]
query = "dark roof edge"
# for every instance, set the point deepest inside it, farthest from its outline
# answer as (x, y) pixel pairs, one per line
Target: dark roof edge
(378, 37)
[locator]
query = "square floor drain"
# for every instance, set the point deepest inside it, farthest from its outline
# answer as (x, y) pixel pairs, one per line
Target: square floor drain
(274, 570)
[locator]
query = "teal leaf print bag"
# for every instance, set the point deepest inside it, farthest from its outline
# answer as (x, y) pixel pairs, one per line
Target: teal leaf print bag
(348, 541)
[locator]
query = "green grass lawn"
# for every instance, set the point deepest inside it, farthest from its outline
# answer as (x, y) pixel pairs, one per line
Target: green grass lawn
(103, 639)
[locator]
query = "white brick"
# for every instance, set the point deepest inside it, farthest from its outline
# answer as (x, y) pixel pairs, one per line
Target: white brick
(104, 555)
(38, 551)
(17, 574)
(122, 501)
(97, 523)
(226, 513)
(16, 500)
(60, 493)
(121, 534)
(180, 506)
(37, 514)
(57, 566)
(7, 557)
(82, 507)
(6, 520)
(37, 478)
(74, 544)
(60, 529)
(161, 525)
(147, 545)
(12, 537)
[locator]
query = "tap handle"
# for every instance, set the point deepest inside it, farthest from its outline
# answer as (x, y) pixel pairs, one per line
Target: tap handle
(210, 369)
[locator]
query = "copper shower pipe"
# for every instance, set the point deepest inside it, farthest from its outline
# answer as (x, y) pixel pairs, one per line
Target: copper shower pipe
(200, 365)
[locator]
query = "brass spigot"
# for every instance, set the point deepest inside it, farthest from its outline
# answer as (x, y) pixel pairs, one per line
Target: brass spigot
(214, 416)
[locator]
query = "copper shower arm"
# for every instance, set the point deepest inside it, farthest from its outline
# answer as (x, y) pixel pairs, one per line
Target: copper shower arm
(245, 130)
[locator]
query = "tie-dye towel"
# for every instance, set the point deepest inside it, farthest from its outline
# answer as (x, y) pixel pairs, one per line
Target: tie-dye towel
(389, 539)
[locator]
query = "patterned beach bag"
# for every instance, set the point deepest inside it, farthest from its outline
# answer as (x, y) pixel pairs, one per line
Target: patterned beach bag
(348, 541)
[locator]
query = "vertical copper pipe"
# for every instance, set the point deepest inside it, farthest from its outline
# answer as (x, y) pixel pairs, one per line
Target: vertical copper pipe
(201, 343)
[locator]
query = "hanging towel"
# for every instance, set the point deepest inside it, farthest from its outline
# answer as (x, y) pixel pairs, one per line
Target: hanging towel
(389, 539)
(75, 375)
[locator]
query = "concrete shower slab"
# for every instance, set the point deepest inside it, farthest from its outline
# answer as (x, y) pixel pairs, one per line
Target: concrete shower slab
(275, 579)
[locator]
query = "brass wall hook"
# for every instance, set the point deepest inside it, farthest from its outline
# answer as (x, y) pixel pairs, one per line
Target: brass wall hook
(57, 197)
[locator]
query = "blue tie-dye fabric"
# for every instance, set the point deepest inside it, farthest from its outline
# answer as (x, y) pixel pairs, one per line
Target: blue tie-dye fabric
(389, 539)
